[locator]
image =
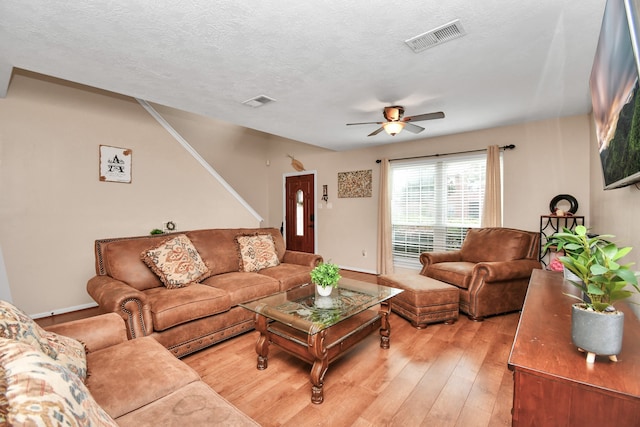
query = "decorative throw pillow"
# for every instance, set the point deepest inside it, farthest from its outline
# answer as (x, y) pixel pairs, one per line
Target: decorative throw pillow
(17, 325)
(176, 262)
(38, 391)
(256, 251)
(70, 353)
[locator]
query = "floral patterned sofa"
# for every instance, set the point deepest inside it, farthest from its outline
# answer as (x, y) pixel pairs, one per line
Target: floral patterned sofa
(183, 289)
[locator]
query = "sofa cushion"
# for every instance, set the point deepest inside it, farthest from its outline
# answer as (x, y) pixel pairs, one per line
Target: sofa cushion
(243, 287)
(256, 251)
(120, 259)
(494, 244)
(40, 391)
(176, 262)
(455, 273)
(196, 404)
(170, 307)
(130, 375)
(17, 325)
(289, 275)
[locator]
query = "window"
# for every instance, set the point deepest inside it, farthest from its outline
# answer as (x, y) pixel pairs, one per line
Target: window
(434, 201)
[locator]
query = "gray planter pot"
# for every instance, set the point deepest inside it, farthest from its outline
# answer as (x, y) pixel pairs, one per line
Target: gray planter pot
(597, 333)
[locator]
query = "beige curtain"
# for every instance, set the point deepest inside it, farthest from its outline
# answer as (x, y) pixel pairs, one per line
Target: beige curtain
(492, 214)
(385, 256)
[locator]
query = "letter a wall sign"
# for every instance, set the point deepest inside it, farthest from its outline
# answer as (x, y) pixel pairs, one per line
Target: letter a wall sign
(115, 164)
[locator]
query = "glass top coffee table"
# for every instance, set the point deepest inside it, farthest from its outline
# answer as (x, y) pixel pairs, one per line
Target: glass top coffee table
(320, 329)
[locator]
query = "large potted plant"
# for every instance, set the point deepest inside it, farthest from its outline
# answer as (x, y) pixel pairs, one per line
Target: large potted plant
(596, 326)
(325, 276)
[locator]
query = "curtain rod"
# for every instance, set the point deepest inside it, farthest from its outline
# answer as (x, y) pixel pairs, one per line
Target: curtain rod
(504, 147)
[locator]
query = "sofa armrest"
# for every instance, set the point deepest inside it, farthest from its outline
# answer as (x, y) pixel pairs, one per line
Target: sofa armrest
(95, 332)
(506, 270)
(428, 258)
(301, 258)
(129, 303)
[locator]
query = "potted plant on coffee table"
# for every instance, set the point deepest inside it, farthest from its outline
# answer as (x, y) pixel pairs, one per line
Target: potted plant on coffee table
(596, 325)
(325, 276)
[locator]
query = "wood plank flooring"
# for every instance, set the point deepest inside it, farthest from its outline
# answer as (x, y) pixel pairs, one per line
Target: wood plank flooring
(444, 375)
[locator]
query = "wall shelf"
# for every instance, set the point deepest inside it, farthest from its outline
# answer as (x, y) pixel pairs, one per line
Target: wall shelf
(551, 224)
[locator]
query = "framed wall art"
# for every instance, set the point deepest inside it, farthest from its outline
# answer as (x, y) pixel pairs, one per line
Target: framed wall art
(354, 184)
(115, 164)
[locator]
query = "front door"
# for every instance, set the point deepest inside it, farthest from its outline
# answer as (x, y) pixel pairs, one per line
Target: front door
(300, 206)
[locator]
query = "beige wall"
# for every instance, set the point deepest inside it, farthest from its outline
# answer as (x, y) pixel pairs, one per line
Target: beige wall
(238, 154)
(614, 211)
(53, 206)
(535, 172)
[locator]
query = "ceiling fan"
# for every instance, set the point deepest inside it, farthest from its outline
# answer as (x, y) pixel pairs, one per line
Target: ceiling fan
(395, 121)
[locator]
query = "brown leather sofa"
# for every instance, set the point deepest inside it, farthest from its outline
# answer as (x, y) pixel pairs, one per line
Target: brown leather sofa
(491, 269)
(139, 383)
(188, 319)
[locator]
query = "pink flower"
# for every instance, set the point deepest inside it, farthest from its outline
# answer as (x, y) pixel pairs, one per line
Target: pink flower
(556, 265)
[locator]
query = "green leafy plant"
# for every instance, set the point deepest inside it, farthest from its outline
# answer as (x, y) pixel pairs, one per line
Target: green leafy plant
(594, 259)
(326, 274)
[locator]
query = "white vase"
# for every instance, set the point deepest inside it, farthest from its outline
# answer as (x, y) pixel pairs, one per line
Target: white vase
(324, 292)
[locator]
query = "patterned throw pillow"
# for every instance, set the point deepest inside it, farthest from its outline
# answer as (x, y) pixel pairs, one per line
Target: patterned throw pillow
(256, 251)
(70, 353)
(17, 325)
(38, 391)
(176, 262)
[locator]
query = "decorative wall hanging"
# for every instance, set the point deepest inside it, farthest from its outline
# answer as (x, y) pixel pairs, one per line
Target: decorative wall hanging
(297, 164)
(115, 164)
(354, 184)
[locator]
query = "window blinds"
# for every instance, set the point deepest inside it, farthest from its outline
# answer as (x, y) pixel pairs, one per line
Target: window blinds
(434, 202)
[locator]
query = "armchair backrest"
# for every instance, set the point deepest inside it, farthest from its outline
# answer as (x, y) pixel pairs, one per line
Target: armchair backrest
(499, 244)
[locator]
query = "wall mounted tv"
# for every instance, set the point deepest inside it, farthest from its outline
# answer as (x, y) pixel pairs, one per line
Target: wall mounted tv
(614, 95)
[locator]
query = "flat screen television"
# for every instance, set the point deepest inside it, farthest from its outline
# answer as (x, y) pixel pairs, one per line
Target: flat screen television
(614, 95)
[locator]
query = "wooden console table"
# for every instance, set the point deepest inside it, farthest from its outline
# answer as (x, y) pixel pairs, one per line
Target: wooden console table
(554, 386)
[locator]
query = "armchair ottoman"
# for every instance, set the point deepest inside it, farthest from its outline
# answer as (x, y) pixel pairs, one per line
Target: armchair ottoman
(424, 300)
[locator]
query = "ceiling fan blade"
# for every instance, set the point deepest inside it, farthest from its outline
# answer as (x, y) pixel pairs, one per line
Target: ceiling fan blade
(364, 123)
(428, 116)
(377, 131)
(413, 128)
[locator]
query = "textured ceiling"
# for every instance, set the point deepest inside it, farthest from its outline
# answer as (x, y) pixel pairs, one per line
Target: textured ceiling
(326, 63)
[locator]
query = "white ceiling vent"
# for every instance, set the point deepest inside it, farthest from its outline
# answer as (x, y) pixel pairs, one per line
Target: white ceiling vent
(437, 36)
(258, 101)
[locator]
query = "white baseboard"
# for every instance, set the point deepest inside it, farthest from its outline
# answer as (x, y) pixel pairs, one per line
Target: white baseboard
(63, 310)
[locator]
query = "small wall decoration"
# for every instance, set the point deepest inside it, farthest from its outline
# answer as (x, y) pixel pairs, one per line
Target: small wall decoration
(115, 164)
(354, 184)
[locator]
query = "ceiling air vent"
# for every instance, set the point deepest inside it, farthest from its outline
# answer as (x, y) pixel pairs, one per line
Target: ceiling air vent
(437, 36)
(258, 101)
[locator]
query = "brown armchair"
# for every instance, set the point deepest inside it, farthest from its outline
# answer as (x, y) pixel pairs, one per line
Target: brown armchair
(491, 269)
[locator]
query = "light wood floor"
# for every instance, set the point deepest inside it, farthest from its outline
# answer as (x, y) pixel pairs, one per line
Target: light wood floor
(444, 375)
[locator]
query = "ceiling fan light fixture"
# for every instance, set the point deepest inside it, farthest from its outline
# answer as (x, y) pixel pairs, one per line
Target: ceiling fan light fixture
(392, 128)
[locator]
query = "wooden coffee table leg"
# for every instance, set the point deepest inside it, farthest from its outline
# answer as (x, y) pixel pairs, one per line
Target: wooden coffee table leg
(320, 365)
(385, 327)
(262, 345)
